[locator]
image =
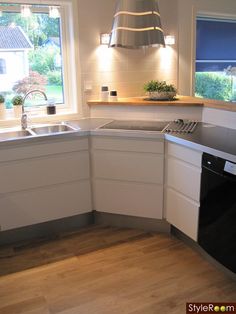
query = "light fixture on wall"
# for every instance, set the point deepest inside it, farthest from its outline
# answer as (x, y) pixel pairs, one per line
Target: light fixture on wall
(54, 12)
(169, 40)
(136, 24)
(26, 10)
(104, 38)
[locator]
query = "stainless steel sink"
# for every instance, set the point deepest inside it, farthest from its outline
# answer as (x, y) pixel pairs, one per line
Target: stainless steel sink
(52, 129)
(11, 135)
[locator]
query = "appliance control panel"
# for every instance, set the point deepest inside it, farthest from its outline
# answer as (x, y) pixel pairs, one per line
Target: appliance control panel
(230, 167)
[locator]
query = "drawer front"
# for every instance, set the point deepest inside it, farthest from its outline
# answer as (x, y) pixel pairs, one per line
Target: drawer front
(182, 213)
(128, 166)
(184, 178)
(129, 145)
(188, 155)
(44, 204)
(43, 149)
(37, 172)
(127, 198)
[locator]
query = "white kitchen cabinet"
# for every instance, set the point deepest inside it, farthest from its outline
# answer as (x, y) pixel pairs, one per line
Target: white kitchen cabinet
(43, 182)
(182, 188)
(128, 176)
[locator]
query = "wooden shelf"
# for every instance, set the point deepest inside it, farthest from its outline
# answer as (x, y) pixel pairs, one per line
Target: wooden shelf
(141, 101)
(181, 101)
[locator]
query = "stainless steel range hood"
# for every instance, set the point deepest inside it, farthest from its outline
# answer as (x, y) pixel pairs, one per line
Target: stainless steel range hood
(136, 24)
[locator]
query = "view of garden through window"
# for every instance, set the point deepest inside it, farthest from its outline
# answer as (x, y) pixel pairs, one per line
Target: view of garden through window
(215, 76)
(30, 55)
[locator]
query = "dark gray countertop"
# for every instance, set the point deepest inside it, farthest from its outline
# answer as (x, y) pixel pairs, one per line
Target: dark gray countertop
(209, 138)
(215, 140)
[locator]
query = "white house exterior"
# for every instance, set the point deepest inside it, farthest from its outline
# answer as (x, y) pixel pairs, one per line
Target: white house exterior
(14, 47)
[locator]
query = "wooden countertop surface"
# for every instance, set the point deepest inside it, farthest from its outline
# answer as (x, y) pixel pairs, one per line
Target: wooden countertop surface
(179, 102)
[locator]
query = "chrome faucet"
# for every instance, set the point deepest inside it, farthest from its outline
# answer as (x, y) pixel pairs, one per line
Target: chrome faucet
(24, 117)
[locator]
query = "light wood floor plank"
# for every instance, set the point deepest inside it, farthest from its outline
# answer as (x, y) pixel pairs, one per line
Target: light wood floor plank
(108, 270)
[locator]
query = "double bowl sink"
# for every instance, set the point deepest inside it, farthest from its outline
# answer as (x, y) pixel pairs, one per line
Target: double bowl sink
(51, 129)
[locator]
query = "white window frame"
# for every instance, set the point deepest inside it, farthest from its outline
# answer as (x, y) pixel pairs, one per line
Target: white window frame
(211, 16)
(68, 51)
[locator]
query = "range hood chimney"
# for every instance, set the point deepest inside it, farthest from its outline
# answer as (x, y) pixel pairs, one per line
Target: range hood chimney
(136, 24)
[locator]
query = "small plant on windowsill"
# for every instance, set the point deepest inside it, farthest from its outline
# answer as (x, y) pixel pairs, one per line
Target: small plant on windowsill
(17, 102)
(2, 107)
(2, 99)
(159, 90)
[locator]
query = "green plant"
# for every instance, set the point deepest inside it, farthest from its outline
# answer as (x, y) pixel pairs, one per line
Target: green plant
(54, 78)
(159, 86)
(213, 86)
(17, 100)
(2, 99)
(42, 59)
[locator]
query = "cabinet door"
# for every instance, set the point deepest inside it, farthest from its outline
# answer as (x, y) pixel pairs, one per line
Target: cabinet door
(182, 213)
(182, 192)
(128, 176)
(128, 198)
(44, 182)
(184, 178)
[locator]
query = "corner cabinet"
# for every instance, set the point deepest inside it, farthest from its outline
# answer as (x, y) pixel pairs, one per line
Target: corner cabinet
(128, 175)
(44, 181)
(182, 188)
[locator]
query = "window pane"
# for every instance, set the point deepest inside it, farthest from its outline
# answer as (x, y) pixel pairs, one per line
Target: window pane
(31, 48)
(216, 39)
(215, 59)
(2, 66)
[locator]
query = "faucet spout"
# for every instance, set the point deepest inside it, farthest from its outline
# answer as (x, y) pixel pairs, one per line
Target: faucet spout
(24, 117)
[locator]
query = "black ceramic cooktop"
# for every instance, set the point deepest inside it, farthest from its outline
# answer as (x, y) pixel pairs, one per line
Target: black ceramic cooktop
(136, 125)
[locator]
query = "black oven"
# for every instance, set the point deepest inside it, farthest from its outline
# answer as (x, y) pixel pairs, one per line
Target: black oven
(217, 218)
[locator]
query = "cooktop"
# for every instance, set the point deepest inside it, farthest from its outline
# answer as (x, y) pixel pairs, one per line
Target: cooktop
(136, 125)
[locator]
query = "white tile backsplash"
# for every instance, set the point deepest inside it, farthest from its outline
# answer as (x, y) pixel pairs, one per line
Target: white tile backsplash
(219, 117)
(146, 112)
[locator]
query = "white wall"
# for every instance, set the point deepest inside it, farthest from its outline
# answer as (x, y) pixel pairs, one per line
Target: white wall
(127, 70)
(146, 112)
(122, 69)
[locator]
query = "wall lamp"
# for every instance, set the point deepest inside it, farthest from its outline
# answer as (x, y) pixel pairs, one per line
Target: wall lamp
(26, 11)
(169, 40)
(54, 12)
(105, 38)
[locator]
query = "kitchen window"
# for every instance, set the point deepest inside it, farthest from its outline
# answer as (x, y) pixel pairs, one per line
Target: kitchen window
(2, 66)
(215, 75)
(36, 42)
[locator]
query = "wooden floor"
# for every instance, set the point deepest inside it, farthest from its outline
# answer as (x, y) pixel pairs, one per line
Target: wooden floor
(102, 270)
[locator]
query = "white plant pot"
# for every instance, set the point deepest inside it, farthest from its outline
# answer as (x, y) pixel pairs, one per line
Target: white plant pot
(2, 111)
(17, 111)
(162, 95)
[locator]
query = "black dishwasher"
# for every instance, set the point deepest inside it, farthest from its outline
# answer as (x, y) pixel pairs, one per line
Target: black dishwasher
(217, 218)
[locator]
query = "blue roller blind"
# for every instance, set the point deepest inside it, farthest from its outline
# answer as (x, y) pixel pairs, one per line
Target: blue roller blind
(216, 44)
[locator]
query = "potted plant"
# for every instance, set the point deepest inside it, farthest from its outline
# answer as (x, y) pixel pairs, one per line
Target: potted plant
(2, 107)
(159, 90)
(17, 102)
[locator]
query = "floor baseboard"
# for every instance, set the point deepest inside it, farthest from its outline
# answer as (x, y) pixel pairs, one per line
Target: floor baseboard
(146, 224)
